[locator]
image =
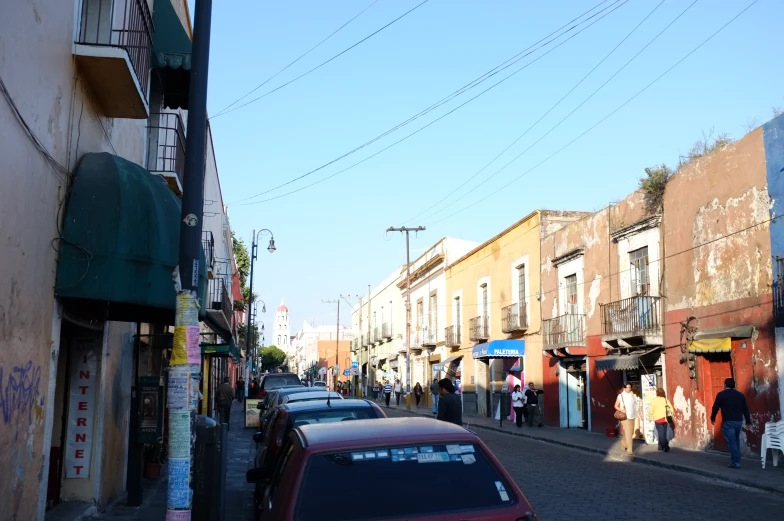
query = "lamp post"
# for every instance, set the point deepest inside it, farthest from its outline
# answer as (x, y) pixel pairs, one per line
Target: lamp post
(253, 245)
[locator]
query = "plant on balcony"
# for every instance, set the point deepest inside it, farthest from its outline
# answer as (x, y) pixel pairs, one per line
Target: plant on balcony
(239, 305)
(155, 455)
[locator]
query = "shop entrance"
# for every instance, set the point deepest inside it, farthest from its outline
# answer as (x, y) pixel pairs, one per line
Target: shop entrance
(718, 368)
(572, 394)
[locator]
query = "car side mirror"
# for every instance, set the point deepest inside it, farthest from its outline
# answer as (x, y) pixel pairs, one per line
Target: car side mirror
(257, 436)
(254, 475)
(259, 406)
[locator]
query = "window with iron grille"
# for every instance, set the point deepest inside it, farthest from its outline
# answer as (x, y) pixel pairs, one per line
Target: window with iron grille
(521, 285)
(457, 311)
(420, 313)
(571, 295)
(433, 314)
(484, 300)
(639, 272)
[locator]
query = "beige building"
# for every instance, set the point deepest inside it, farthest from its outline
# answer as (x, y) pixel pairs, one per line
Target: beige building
(92, 118)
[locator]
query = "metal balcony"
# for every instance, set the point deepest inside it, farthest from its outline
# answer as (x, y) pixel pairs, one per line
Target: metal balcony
(376, 335)
(452, 336)
(368, 341)
(633, 321)
(355, 345)
(564, 331)
(208, 246)
(386, 331)
(220, 301)
(363, 339)
(429, 337)
(166, 138)
(478, 330)
(778, 303)
(514, 318)
(113, 50)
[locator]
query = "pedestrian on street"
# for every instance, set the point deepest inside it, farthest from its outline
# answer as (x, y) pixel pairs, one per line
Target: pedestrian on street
(240, 389)
(450, 407)
(397, 392)
(376, 391)
(626, 412)
(225, 397)
(518, 404)
(418, 393)
(539, 411)
(531, 403)
(434, 390)
(387, 392)
(661, 412)
(734, 410)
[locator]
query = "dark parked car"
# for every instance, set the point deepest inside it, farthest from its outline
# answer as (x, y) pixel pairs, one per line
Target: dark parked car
(308, 412)
(318, 464)
(284, 394)
(272, 381)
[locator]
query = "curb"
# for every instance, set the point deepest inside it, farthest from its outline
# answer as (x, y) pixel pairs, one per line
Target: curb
(634, 459)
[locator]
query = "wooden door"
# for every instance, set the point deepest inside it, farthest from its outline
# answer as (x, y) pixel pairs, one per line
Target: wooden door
(719, 369)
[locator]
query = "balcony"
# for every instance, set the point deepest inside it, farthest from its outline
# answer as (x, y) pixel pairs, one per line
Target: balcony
(219, 303)
(376, 335)
(368, 341)
(166, 138)
(429, 337)
(355, 345)
(386, 332)
(632, 322)
(778, 302)
(452, 336)
(563, 332)
(478, 330)
(112, 51)
(514, 318)
(208, 245)
(363, 339)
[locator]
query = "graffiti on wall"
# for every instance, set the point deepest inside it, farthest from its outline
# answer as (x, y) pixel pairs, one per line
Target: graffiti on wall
(19, 393)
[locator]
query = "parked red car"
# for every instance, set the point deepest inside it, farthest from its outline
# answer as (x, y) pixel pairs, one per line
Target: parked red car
(338, 471)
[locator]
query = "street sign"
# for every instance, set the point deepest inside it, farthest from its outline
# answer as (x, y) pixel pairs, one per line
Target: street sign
(354, 364)
(346, 372)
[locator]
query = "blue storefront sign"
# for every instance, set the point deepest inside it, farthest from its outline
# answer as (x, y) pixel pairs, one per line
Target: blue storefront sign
(500, 349)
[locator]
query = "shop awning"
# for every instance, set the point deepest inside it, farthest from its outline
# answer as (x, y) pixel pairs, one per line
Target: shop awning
(628, 361)
(218, 327)
(719, 340)
(500, 349)
(120, 241)
(452, 360)
(711, 345)
(222, 350)
(171, 55)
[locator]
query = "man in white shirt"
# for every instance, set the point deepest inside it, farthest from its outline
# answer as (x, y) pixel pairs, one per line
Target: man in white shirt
(627, 404)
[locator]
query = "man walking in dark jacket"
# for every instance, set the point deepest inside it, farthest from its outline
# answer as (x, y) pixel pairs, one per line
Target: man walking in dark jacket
(225, 397)
(734, 410)
(450, 407)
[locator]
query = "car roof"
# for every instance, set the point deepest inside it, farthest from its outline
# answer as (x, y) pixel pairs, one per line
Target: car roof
(294, 389)
(387, 431)
(314, 394)
(279, 375)
(334, 404)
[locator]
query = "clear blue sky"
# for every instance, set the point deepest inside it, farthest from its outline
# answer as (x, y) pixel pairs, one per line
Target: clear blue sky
(331, 237)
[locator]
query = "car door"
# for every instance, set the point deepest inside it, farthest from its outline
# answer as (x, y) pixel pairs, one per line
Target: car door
(277, 498)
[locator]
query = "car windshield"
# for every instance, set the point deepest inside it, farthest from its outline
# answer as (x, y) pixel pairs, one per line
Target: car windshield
(277, 382)
(332, 415)
(306, 397)
(443, 467)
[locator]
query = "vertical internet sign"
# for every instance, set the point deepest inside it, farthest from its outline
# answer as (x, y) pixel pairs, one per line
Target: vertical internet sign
(81, 410)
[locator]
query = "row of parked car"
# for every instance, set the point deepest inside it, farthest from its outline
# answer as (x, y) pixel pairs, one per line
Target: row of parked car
(322, 457)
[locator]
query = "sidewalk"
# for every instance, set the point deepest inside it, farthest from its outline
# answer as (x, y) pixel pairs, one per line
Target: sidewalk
(706, 464)
(239, 494)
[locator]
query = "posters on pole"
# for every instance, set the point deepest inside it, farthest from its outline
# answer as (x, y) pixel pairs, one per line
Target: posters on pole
(178, 515)
(83, 380)
(179, 354)
(179, 483)
(179, 435)
(187, 310)
(192, 348)
(179, 396)
(648, 427)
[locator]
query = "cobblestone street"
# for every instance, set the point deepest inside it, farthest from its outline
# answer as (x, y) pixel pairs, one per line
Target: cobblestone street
(563, 483)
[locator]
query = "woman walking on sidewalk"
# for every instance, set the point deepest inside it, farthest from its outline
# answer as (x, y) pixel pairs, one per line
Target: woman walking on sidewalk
(434, 390)
(626, 412)
(661, 412)
(418, 393)
(397, 392)
(518, 404)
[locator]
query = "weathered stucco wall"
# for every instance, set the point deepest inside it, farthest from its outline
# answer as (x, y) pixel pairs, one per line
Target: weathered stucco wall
(719, 270)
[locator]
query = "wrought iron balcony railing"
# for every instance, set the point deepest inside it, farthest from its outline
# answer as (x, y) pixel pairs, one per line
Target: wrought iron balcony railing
(166, 137)
(219, 299)
(386, 331)
(376, 335)
(633, 316)
(429, 337)
(564, 331)
(208, 245)
(478, 329)
(452, 336)
(778, 303)
(514, 318)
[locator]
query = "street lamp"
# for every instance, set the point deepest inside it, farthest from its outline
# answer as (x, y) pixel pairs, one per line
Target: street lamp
(254, 245)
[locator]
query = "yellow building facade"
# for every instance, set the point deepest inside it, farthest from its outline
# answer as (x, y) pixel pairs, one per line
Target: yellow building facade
(493, 312)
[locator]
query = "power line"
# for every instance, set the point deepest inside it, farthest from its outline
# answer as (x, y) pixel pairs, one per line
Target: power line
(541, 118)
(336, 31)
(622, 105)
(465, 88)
(344, 51)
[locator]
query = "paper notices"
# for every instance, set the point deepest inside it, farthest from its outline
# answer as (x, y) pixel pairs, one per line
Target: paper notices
(178, 515)
(179, 388)
(187, 310)
(179, 435)
(179, 483)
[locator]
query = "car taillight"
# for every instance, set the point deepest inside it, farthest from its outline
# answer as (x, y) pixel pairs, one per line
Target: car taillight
(262, 395)
(281, 429)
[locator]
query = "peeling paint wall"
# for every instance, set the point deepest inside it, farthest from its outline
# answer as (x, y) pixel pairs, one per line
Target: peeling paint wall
(719, 270)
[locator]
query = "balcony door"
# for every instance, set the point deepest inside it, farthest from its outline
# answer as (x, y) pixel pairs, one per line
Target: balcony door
(639, 273)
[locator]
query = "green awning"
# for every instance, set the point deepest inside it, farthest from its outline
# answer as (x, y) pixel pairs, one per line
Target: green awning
(171, 55)
(230, 349)
(120, 242)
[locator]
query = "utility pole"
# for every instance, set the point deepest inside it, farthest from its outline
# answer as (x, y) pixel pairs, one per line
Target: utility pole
(408, 305)
(337, 338)
(185, 362)
(357, 379)
(254, 244)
